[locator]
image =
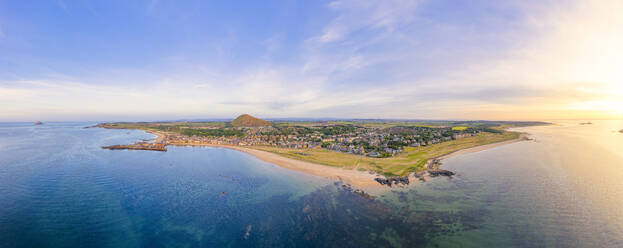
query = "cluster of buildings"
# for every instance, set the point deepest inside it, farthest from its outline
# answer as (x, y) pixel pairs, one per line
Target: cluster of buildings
(369, 141)
(386, 142)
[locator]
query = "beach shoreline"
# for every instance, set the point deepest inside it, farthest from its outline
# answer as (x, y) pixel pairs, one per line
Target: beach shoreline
(522, 137)
(357, 179)
(434, 164)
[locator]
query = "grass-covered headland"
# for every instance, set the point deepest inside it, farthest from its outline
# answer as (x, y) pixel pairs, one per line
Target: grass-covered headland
(387, 147)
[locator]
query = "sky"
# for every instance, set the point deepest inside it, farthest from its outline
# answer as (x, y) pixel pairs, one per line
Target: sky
(404, 59)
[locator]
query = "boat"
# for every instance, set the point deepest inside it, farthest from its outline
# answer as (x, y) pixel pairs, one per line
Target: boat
(38, 123)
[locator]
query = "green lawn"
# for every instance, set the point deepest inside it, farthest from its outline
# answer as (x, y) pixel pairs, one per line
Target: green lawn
(411, 159)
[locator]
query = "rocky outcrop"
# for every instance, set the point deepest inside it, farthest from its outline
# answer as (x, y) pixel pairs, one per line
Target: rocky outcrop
(439, 172)
(349, 188)
(434, 171)
(389, 181)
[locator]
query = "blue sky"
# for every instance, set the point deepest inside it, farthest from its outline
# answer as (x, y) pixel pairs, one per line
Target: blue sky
(153, 60)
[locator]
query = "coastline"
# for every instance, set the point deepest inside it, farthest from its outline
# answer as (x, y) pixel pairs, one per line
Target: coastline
(355, 178)
(433, 164)
(159, 135)
(522, 137)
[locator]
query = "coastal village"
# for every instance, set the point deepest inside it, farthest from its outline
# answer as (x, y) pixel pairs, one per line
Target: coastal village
(388, 150)
(372, 142)
(246, 130)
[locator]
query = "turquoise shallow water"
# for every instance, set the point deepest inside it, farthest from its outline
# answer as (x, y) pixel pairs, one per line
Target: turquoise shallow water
(59, 189)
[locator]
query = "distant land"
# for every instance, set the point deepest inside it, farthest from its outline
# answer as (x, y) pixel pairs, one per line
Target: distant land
(359, 152)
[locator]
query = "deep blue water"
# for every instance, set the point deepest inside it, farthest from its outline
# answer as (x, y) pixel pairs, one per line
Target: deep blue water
(59, 189)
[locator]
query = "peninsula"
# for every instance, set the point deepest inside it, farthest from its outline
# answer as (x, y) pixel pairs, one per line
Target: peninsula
(355, 151)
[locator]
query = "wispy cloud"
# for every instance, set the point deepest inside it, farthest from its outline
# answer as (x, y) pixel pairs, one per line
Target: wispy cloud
(355, 16)
(371, 60)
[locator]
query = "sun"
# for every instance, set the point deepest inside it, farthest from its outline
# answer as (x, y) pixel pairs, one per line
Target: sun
(605, 108)
(616, 104)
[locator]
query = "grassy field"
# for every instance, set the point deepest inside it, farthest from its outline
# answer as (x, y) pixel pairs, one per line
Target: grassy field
(412, 159)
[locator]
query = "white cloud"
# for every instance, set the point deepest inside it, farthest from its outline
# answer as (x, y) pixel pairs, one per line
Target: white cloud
(578, 47)
(354, 15)
(364, 63)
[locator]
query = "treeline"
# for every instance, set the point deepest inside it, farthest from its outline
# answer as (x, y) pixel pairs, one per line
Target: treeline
(218, 132)
(213, 132)
(301, 130)
(491, 130)
(336, 130)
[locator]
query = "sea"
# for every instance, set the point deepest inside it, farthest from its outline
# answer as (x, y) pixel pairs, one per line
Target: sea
(58, 188)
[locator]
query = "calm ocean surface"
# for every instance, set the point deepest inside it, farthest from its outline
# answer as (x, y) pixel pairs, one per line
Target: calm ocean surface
(59, 189)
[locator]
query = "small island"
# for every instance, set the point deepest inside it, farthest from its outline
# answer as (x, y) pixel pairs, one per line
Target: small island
(354, 151)
(621, 131)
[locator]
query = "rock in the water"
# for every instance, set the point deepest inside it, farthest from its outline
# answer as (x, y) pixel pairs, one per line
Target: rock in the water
(247, 232)
(307, 209)
(393, 180)
(434, 173)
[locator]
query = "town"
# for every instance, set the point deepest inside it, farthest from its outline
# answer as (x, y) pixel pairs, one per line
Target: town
(369, 141)
(385, 147)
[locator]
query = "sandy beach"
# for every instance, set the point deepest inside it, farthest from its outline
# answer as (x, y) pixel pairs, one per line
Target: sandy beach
(355, 178)
(522, 137)
(159, 135)
(358, 179)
